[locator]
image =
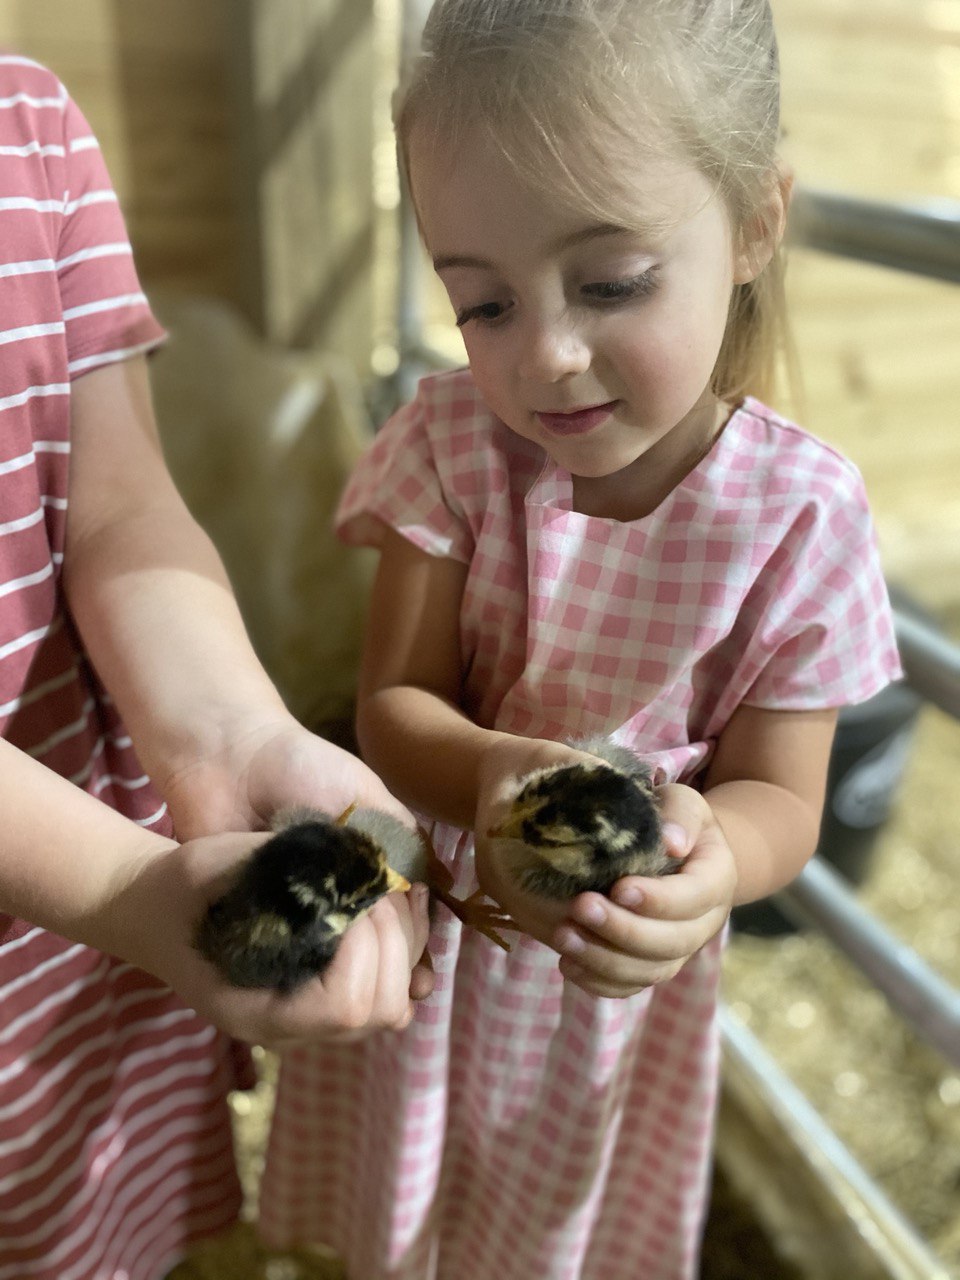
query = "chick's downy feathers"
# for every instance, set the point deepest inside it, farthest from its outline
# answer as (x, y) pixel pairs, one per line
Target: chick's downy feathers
(296, 895)
(282, 920)
(582, 827)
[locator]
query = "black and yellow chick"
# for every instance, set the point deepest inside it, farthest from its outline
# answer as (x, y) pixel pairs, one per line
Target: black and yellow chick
(297, 894)
(581, 827)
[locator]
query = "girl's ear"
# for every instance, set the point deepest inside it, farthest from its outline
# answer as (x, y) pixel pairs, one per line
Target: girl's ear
(760, 235)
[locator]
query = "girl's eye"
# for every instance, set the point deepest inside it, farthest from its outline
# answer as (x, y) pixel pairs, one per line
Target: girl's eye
(485, 312)
(622, 290)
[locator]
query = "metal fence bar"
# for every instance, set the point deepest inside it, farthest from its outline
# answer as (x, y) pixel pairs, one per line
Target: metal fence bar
(925, 1000)
(881, 1224)
(931, 662)
(924, 239)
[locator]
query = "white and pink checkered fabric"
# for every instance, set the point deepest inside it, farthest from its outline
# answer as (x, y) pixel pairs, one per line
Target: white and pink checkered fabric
(522, 1129)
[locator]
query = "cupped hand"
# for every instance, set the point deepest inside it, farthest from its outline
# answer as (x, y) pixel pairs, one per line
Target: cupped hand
(252, 767)
(649, 927)
(366, 987)
(262, 763)
(507, 761)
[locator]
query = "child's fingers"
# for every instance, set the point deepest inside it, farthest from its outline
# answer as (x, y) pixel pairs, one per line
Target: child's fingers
(706, 879)
(654, 942)
(683, 813)
(689, 894)
(618, 984)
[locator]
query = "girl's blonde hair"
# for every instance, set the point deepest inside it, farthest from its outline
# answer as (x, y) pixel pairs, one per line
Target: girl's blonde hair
(574, 91)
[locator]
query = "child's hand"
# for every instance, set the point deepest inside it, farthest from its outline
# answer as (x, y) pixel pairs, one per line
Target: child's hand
(260, 764)
(253, 767)
(510, 759)
(652, 927)
(365, 988)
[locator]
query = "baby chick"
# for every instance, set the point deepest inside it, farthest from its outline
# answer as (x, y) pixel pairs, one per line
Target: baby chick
(282, 920)
(581, 827)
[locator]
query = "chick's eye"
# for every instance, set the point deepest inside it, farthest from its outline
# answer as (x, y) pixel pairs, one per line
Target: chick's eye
(626, 290)
(484, 313)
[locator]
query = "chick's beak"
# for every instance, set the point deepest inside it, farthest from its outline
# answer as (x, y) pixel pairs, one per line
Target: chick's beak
(396, 883)
(510, 829)
(512, 826)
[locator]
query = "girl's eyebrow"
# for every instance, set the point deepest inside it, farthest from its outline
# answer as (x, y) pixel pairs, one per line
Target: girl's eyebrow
(582, 235)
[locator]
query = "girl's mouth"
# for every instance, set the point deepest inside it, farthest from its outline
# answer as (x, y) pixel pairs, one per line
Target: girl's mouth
(577, 423)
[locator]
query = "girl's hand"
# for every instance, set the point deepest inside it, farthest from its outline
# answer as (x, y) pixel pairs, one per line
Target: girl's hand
(506, 762)
(364, 989)
(652, 926)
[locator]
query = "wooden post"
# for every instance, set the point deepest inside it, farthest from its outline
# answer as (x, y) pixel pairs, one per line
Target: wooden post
(239, 135)
(303, 77)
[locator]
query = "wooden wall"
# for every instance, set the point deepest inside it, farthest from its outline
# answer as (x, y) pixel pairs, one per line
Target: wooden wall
(238, 133)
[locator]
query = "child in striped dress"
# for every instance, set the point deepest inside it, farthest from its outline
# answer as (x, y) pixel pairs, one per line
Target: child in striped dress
(596, 529)
(115, 1145)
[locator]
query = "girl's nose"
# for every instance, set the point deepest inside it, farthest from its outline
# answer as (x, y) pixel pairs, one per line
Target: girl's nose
(553, 350)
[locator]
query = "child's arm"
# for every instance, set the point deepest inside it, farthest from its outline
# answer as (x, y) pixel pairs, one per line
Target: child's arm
(73, 865)
(414, 733)
(151, 600)
(145, 586)
(748, 834)
(409, 722)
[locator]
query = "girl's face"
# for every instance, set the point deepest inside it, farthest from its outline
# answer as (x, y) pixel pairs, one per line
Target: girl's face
(595, 341)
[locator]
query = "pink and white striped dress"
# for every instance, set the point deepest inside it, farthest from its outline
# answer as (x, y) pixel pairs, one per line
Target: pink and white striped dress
(115, 1147)
(520, 1129)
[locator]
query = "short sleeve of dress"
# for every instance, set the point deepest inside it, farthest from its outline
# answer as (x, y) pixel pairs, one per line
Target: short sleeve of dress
(826, 635)
(401, 482)
(106, 315)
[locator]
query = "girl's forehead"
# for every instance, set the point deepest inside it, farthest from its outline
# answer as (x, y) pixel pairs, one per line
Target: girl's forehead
(475, 184)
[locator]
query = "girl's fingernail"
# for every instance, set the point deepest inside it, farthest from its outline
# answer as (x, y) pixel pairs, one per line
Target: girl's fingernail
(570, 943)
(629, 897)
(591, 912)
(675, 838)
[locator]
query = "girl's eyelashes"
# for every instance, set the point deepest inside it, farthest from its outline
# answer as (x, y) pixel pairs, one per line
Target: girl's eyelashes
(640, 286)
(601, 292)
(486, 312)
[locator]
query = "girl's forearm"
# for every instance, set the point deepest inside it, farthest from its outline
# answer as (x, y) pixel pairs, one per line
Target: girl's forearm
(426, 750)
(65, 857)
(772, 834)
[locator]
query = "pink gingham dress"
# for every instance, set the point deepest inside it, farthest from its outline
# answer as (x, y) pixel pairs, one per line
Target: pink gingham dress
(520, 1129)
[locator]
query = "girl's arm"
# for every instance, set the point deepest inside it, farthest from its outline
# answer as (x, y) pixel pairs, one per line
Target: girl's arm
(409, 723)
(409, 726)
(765, 788)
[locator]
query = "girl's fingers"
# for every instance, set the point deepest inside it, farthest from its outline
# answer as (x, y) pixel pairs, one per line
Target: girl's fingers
(706, 880)
(622, 931)
(613, 988)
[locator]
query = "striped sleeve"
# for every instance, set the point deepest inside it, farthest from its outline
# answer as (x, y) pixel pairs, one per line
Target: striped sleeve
(106, 314)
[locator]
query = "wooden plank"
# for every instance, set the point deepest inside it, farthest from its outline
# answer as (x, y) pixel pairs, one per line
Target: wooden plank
(305, 80)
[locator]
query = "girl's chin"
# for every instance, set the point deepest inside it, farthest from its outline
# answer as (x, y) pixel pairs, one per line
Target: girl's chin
(596, 468)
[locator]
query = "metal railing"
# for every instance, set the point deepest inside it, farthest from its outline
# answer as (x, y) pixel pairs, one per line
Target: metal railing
(926, 1001)
(920, 238)
(819, 896)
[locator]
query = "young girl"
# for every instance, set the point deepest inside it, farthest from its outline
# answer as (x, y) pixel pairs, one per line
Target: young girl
(594, 530)
(115, 1147)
